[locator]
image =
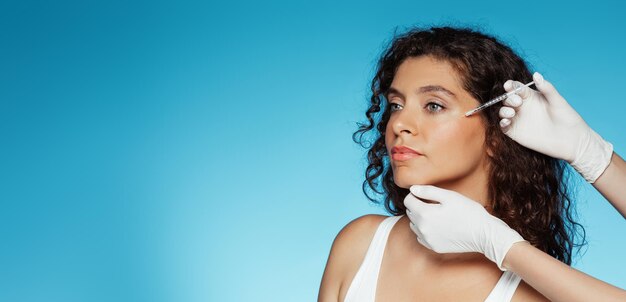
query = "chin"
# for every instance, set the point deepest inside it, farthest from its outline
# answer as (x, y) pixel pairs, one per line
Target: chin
(406, 184)
(406, 181)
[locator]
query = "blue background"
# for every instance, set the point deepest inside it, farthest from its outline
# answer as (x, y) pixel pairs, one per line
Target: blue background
(201, 151)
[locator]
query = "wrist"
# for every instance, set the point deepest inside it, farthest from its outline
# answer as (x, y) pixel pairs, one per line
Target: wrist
(593, 156)
(508, 263)
(502, 238)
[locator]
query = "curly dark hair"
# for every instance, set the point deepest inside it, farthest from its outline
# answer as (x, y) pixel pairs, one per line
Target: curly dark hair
(528, 190)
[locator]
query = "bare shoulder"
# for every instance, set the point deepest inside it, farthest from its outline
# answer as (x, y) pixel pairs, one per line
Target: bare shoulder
(346, 254)
(358, 233)
(352, 242)
(525, 292)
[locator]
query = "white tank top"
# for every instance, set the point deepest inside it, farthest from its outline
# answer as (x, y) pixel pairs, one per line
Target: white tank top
(363, 286)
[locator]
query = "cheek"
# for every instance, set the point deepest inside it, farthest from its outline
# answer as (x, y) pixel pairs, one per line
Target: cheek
(389, 137)
(457, 141)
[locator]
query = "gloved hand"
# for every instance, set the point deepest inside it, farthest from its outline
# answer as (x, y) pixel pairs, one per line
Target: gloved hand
(543, 121)
(457, 224)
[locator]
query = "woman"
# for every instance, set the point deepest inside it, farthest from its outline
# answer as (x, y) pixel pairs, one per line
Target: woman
(564, 135)
(425, 82)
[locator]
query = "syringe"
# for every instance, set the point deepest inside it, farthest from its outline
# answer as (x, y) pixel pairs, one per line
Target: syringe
(497, 99)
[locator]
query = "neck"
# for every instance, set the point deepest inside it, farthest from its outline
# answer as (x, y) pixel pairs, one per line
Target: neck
(474, 186)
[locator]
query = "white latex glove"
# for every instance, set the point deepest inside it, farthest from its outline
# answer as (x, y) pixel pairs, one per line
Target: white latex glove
(543, 121)
(457, 224)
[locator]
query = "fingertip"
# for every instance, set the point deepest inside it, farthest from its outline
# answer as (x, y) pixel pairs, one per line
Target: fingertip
(505, 122)
(543, 85)
(426, 190)
(538, 78)
(433, 195)
(508, 85)
(407, 204)
(415, 189)
(412, 203)
(506, 112)
(523, 91)
(513, 101)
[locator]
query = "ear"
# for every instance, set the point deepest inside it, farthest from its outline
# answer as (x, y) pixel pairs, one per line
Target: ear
(489, 151)
(491, 146)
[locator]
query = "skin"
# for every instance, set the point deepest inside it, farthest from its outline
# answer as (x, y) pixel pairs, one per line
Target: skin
(455, 158)
(555, 280)
(611, 183)
(558, 281)
(433, 123)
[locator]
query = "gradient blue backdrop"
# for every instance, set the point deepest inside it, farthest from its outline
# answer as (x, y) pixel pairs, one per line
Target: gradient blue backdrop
(201, 151)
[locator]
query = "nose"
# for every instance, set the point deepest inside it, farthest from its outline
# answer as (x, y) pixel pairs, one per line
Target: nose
(404, 122)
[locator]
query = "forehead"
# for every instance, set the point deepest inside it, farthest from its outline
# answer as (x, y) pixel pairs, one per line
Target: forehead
(416, 74)
(426, 70)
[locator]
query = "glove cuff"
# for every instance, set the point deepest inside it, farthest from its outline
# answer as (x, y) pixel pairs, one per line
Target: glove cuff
(593, 157)
(502, 239)
(505, 250)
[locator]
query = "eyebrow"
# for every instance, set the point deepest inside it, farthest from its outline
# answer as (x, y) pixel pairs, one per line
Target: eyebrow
(424, 89)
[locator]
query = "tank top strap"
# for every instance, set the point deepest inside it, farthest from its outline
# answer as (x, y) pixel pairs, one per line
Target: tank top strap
(363, 286)
(505, 288)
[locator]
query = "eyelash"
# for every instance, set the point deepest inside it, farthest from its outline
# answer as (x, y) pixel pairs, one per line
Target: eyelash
(428, 104)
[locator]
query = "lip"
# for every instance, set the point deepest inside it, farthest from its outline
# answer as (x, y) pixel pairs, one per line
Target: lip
(404, 149)
(404, 156)
(402, 153)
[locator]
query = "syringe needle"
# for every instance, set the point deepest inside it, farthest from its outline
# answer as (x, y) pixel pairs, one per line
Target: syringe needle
(497, 99)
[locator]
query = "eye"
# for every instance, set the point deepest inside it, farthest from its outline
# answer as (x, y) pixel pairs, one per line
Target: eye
(433, 107)
(392, 106)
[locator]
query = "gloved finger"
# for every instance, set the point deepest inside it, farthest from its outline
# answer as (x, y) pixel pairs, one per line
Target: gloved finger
(523, 91)
(505, 122)
(509, 85)
(415, 205)
(506, 112)
(547, 89)
(513, 101)
(434, 193)
(416, 230)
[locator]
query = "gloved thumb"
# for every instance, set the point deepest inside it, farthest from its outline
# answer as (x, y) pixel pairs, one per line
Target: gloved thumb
(432, 193)
(547, 89)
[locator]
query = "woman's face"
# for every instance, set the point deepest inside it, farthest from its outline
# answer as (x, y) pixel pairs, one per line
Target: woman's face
(428, 104)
